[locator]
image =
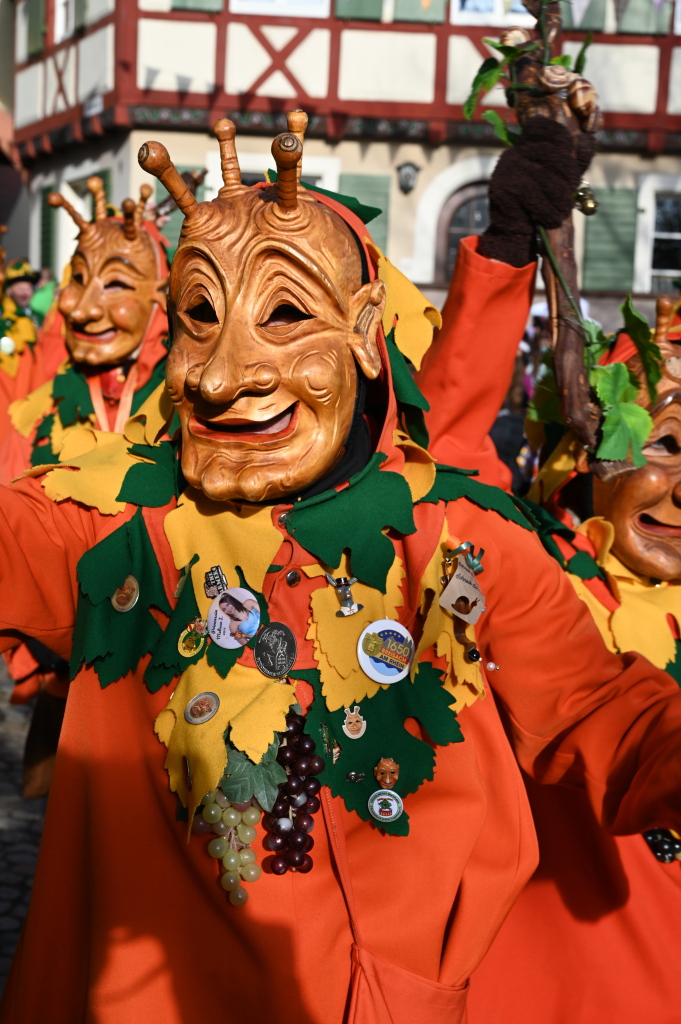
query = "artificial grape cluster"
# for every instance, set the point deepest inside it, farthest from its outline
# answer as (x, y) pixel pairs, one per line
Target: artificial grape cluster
(291, 821)
(665, 846)
(233, 826)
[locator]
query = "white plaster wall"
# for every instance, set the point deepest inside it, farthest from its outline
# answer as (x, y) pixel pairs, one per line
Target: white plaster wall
(309, 63)
(674, 96)
(95, 10)
(96, 64)
(20, 32)
(390, 67)
(246, 59)
(624, 75)
(176, 55)
(28, 95)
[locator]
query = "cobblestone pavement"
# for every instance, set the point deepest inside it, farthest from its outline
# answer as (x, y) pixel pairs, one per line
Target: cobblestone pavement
(21, 824)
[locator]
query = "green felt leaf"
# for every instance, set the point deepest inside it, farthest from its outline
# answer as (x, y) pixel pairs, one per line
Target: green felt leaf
(625, 428)
(489, 73)
(580, 63)
(72, 395)
(548, 527)
(642, 336)
(426, 700)
(585, 566)
(244, 780)
(501, 129)
(564, 59)
(451, 484)
(674, 667)
(412, 403)
(44, 428)
(153, 484)
(114, 642)
(353, 520)
(166, 661)
(365, 213)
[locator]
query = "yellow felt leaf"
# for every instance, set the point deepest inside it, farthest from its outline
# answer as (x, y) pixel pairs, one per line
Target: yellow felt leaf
(419, 465)
(555, 470)
(222, 534)
(416, 316)
(254, 707)
(95, 476)
(151, 419)
(335, 637)
(26, 413)
(9, 363)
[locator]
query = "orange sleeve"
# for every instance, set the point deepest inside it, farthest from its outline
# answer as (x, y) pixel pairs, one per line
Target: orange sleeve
(575, 713)
(467, 370)
(41, 542)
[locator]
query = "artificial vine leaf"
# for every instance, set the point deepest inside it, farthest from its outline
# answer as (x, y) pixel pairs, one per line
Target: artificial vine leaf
(613, 384)
(72, 395)
(452, 484)
(353, 519)
(649, 353)
(501, 129)
(154, 483)
(243, 779)
(564, 59)
(115, 642)
(166, 661)
(580, 63)
(489, 73)
(625, 429)
(411, 401)
(385, 736)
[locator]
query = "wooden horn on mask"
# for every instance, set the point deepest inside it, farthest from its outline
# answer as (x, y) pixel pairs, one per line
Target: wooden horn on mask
(57, 199)
(287, 150)
(129, 208)
(296, 121)
(153, 157)
(225, 132)
(145, 195)
(95, 186)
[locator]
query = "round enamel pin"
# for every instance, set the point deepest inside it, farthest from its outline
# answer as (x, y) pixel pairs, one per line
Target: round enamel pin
(201, 708)
(385, 650)
(275, 650)
(385, 805)
(126, 596)
(234, 618)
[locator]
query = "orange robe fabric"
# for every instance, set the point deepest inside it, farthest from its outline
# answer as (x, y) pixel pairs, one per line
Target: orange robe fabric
(468, 369)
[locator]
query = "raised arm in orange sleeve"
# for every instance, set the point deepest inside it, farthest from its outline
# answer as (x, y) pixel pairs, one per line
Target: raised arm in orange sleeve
(467, 370)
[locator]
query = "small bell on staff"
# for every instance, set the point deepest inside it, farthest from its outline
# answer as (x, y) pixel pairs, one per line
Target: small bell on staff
(585, 200)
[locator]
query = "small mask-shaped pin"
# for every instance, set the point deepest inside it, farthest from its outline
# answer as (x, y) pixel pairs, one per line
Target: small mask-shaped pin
(387, 772)
(342, 585)
(354, 725)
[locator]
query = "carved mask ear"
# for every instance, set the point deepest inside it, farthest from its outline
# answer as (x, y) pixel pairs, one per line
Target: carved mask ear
(367, 306)
(161, 295)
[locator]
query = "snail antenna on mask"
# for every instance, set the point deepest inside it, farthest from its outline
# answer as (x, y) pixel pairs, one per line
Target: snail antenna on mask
(57, 199)
(145, 195)
(225, 132)
(287, 150)
(296, 121)
(129, 207)
(153, 157)
(95, 186)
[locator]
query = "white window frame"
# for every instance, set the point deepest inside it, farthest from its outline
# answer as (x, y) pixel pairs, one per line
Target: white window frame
(649, 185)
(326, 168)
(64, 19)
(497, 16)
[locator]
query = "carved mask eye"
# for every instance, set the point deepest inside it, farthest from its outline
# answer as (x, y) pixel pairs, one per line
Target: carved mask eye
(203, 312)
(286, 314)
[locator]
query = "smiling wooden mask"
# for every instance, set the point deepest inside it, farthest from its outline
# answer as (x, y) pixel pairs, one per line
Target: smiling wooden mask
(118, 277)
(271, 324)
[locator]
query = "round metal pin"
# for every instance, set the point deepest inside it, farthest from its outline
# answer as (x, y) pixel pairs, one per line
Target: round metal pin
(126, 596)
(201, 708)
(275, 650)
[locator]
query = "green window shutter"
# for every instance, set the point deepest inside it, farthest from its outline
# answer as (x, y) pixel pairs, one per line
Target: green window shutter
(79, 14)
(642, 17)
(35, 11)
(47, 231)
(171, 228)
(610, 241)
(366, 10)
(372, 190)
(420, 10)
(212, 6)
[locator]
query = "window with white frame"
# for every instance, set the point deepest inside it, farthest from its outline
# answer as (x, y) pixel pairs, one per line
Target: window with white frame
(489, 12)
(666, 254)
(68, 16)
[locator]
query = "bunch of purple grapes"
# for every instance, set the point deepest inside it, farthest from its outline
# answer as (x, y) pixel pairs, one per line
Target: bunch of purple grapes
(291, 820)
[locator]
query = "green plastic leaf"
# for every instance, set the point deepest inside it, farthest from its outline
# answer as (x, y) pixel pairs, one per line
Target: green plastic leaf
(613, 384)
(640, 333)
(511, 53)
(488, 75)
(501, 129)
(580, 63)
(626, 428)
(244, 780)
(596, 342)
(564, 59)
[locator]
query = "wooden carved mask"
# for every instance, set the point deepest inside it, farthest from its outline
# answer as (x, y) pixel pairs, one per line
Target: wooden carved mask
(644, 505)
(270, 325)
(118, 276)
